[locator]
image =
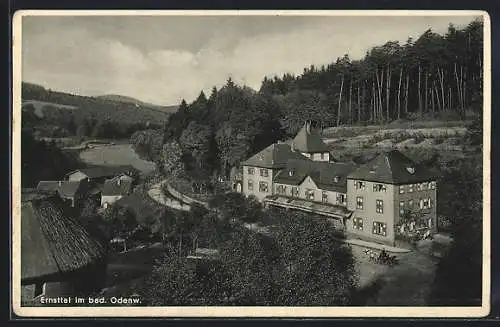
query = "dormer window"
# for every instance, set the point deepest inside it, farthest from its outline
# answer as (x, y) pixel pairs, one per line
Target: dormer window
(411, 170)
(336, 179)
(291, 172)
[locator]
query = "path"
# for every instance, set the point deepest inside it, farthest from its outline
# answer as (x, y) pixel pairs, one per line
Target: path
(407, 283)
(156, 193)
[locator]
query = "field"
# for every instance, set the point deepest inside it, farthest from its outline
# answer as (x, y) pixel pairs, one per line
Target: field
(40, 105)
(119, 154)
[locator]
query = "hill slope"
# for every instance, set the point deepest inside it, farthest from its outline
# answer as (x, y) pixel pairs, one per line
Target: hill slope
(127, 99)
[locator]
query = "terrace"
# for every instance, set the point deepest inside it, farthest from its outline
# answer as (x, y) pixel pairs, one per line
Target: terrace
(329, 210)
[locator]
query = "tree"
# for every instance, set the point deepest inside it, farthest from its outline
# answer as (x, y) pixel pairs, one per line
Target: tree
(196, 140)
(319, 270)
(172, 159)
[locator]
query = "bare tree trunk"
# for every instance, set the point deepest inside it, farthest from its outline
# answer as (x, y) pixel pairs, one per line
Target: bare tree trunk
(406, 97)
(359, 104)
(350, 101)
(419, 93)
(379, 91)
(388, 92)
(441, 81)
(459, 89)
(340, 100)
(426, 108)
(399, 93)
(436, 93)
(374, 102)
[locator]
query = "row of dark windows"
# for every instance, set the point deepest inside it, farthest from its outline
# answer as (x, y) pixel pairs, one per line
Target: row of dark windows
(378, 228)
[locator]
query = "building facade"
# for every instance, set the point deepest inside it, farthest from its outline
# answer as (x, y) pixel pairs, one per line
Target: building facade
(377, 201)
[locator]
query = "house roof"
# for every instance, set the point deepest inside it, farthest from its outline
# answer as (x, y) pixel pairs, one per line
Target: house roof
(274, 156)
(117, 186)
(64, 188)
(393, 167)
(308, 140)
(321, 172)
(104, 171)
(51, 241)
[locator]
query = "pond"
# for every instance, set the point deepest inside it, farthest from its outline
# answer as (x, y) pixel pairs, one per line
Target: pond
(118, 154)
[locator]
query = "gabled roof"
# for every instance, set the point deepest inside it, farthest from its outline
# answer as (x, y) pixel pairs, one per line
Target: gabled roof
(274, 156)
(322, 173)
(51, 241)
(308, 140)
(104, 171)
(393, 167)
(67, 189)
(117, 186)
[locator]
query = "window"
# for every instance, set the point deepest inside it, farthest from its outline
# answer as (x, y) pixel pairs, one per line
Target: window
(433, 185)
(359, 202)
(264, 173)
(410, 188)
(322, 156)
(419, 187)
(379, 187)
(430, 203)
(310, 194)
(341, 198)
(379, 206)
(401, 208)
(250, 185)
(426, 203)
(379, 228)
(324, 196)
(357, 223)
(263, 187)
(410, 204)
(250, 170)
(295, 191)
(425, 186)
(401, 189)
(281, 189)
(421, 204)
(359, 185)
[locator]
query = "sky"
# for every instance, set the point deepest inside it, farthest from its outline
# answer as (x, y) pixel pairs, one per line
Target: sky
(163, 59)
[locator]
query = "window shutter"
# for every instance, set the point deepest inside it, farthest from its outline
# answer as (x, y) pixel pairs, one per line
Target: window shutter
(421, 204)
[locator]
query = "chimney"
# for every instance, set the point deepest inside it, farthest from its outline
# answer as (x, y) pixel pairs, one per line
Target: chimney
(308, 126)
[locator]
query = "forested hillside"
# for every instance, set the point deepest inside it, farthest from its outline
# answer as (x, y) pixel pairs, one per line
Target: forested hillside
(435, 77)
(93, 116)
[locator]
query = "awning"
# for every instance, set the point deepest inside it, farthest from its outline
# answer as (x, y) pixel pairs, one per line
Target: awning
(325, 209)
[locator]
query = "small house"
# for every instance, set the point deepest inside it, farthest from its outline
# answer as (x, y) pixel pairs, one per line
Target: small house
(72, 191)
(116, 188)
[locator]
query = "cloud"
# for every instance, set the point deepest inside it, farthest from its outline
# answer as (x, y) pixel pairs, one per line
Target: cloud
(80, 59)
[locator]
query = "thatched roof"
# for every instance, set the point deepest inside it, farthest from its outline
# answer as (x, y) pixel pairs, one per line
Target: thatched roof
(52, 242)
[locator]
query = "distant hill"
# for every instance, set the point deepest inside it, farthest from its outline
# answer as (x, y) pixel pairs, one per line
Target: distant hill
(127, 99)
(116, 108)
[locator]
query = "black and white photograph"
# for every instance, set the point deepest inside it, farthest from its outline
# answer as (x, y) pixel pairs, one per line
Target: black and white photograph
(251, 163)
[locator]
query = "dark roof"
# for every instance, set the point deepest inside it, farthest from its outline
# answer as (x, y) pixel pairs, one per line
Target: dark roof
(51, 241)
(117, 186)
(393, 167)
(308, 140)
(105, 171)
(64, 188)
(274, 156)
(321, 172)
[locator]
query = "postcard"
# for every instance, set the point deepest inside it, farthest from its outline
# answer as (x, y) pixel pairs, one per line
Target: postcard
(251, 163)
